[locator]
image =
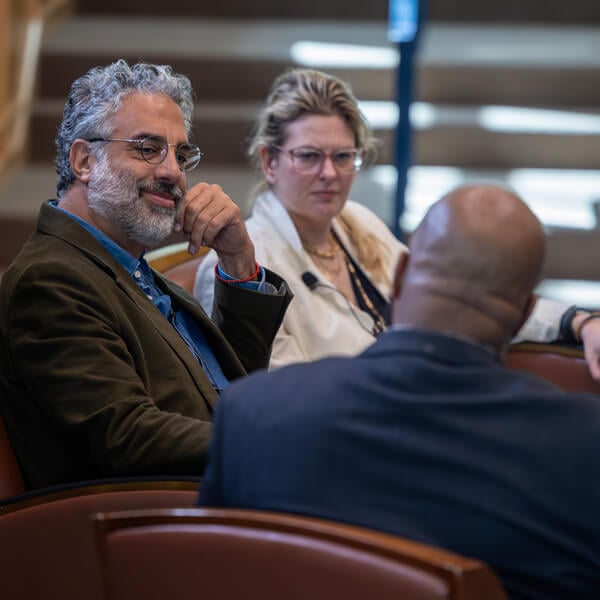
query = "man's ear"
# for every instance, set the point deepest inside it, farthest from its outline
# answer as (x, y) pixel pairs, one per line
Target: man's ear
(399, 274)
(268, 162)
(81, 160)
(527, 310)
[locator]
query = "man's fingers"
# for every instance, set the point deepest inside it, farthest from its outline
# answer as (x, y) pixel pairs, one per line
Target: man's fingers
(198, 199)
(207, 213)
(593, 361)
(208, 224)
(202, 203)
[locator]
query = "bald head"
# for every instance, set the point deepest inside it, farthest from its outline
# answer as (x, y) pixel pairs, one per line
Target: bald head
(475, 259)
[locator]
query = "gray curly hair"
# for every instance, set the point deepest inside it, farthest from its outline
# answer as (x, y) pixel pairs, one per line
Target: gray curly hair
(96, 96)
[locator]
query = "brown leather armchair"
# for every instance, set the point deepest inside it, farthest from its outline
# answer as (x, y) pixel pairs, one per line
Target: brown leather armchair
(175, 263)
(226, 553)
(46, 536)
(11, 479)
(563, 365)
(47, 539)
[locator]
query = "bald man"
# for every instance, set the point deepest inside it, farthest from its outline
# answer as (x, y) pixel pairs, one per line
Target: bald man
(426, 434)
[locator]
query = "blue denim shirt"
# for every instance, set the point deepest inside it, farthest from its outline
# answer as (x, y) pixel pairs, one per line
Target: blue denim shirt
(183, 323)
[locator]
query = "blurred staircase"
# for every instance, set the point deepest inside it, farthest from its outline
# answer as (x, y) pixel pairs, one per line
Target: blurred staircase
(472, 54)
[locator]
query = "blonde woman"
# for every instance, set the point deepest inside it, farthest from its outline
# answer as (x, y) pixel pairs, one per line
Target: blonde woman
(310, 141)
(337, 256)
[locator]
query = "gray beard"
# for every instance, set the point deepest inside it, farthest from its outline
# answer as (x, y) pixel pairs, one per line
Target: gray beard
(115, 195)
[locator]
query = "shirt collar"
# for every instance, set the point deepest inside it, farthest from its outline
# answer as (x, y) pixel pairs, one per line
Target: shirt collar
(454, 348)
(124, 258)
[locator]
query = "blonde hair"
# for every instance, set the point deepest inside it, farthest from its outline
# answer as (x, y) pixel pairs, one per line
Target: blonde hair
(370, 250)
(298, 92)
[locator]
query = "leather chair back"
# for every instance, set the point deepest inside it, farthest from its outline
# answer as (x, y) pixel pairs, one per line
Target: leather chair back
(175, 263)
(11, 478)
(223, 553)
(563, 365)
(184, 274)
(48, 542)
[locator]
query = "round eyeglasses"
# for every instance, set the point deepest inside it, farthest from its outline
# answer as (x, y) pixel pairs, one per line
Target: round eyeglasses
(153, 149)
(310, 160)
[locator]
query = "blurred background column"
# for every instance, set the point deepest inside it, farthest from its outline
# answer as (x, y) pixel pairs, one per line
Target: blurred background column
(404, 25)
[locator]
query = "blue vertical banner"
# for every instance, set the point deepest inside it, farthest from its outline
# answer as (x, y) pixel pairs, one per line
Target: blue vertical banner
(403, 21)
(404, 24)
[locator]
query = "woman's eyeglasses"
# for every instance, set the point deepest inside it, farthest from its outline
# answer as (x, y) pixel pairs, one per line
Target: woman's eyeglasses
(310, 160)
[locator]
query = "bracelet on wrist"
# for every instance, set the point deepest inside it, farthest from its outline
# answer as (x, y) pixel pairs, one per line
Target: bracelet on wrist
(565, 332)
(231, 280)
(587, 319)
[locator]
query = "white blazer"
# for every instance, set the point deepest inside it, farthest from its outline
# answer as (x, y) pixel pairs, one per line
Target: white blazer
(318, 322)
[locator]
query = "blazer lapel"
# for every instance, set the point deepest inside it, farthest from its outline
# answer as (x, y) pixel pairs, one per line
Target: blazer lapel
(54, 222)
(224, 353)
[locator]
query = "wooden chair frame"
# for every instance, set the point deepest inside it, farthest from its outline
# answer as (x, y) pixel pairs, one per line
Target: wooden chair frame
(172, 255)
(467, 579)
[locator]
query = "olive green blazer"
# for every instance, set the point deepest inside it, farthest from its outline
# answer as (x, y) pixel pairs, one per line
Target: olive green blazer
(94, 381)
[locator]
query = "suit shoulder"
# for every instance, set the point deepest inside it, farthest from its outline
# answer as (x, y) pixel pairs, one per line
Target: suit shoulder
(302, 382)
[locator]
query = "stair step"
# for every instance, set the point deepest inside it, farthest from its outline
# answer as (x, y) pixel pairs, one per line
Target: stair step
(457, 139)
(574, 87)
(264, 9)
(470, 54)
(477, 148)
(549, 66)
(212, 78)
(232, 63)
(517, 11)
(232, 79)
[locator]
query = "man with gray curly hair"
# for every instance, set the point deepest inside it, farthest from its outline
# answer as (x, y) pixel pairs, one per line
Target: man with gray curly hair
(107, 369)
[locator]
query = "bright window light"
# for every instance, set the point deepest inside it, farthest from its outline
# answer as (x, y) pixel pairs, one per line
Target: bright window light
(423, 115)
(380, 115)
(505, 119)
(511, 119)
(558, 198)
(321, 55)
(384, 114)
(385, 176)
(571, 291)
(427, 185)
(569, 182)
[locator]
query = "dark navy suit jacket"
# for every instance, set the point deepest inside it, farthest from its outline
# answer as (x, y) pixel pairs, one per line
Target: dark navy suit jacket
(428, 437)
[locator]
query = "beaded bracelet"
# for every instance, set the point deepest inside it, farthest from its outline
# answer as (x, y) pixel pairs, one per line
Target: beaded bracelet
(577, 333)
(246, 279)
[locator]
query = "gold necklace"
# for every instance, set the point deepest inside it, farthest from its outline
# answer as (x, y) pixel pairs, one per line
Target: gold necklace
(331, 269)
(333, 251)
